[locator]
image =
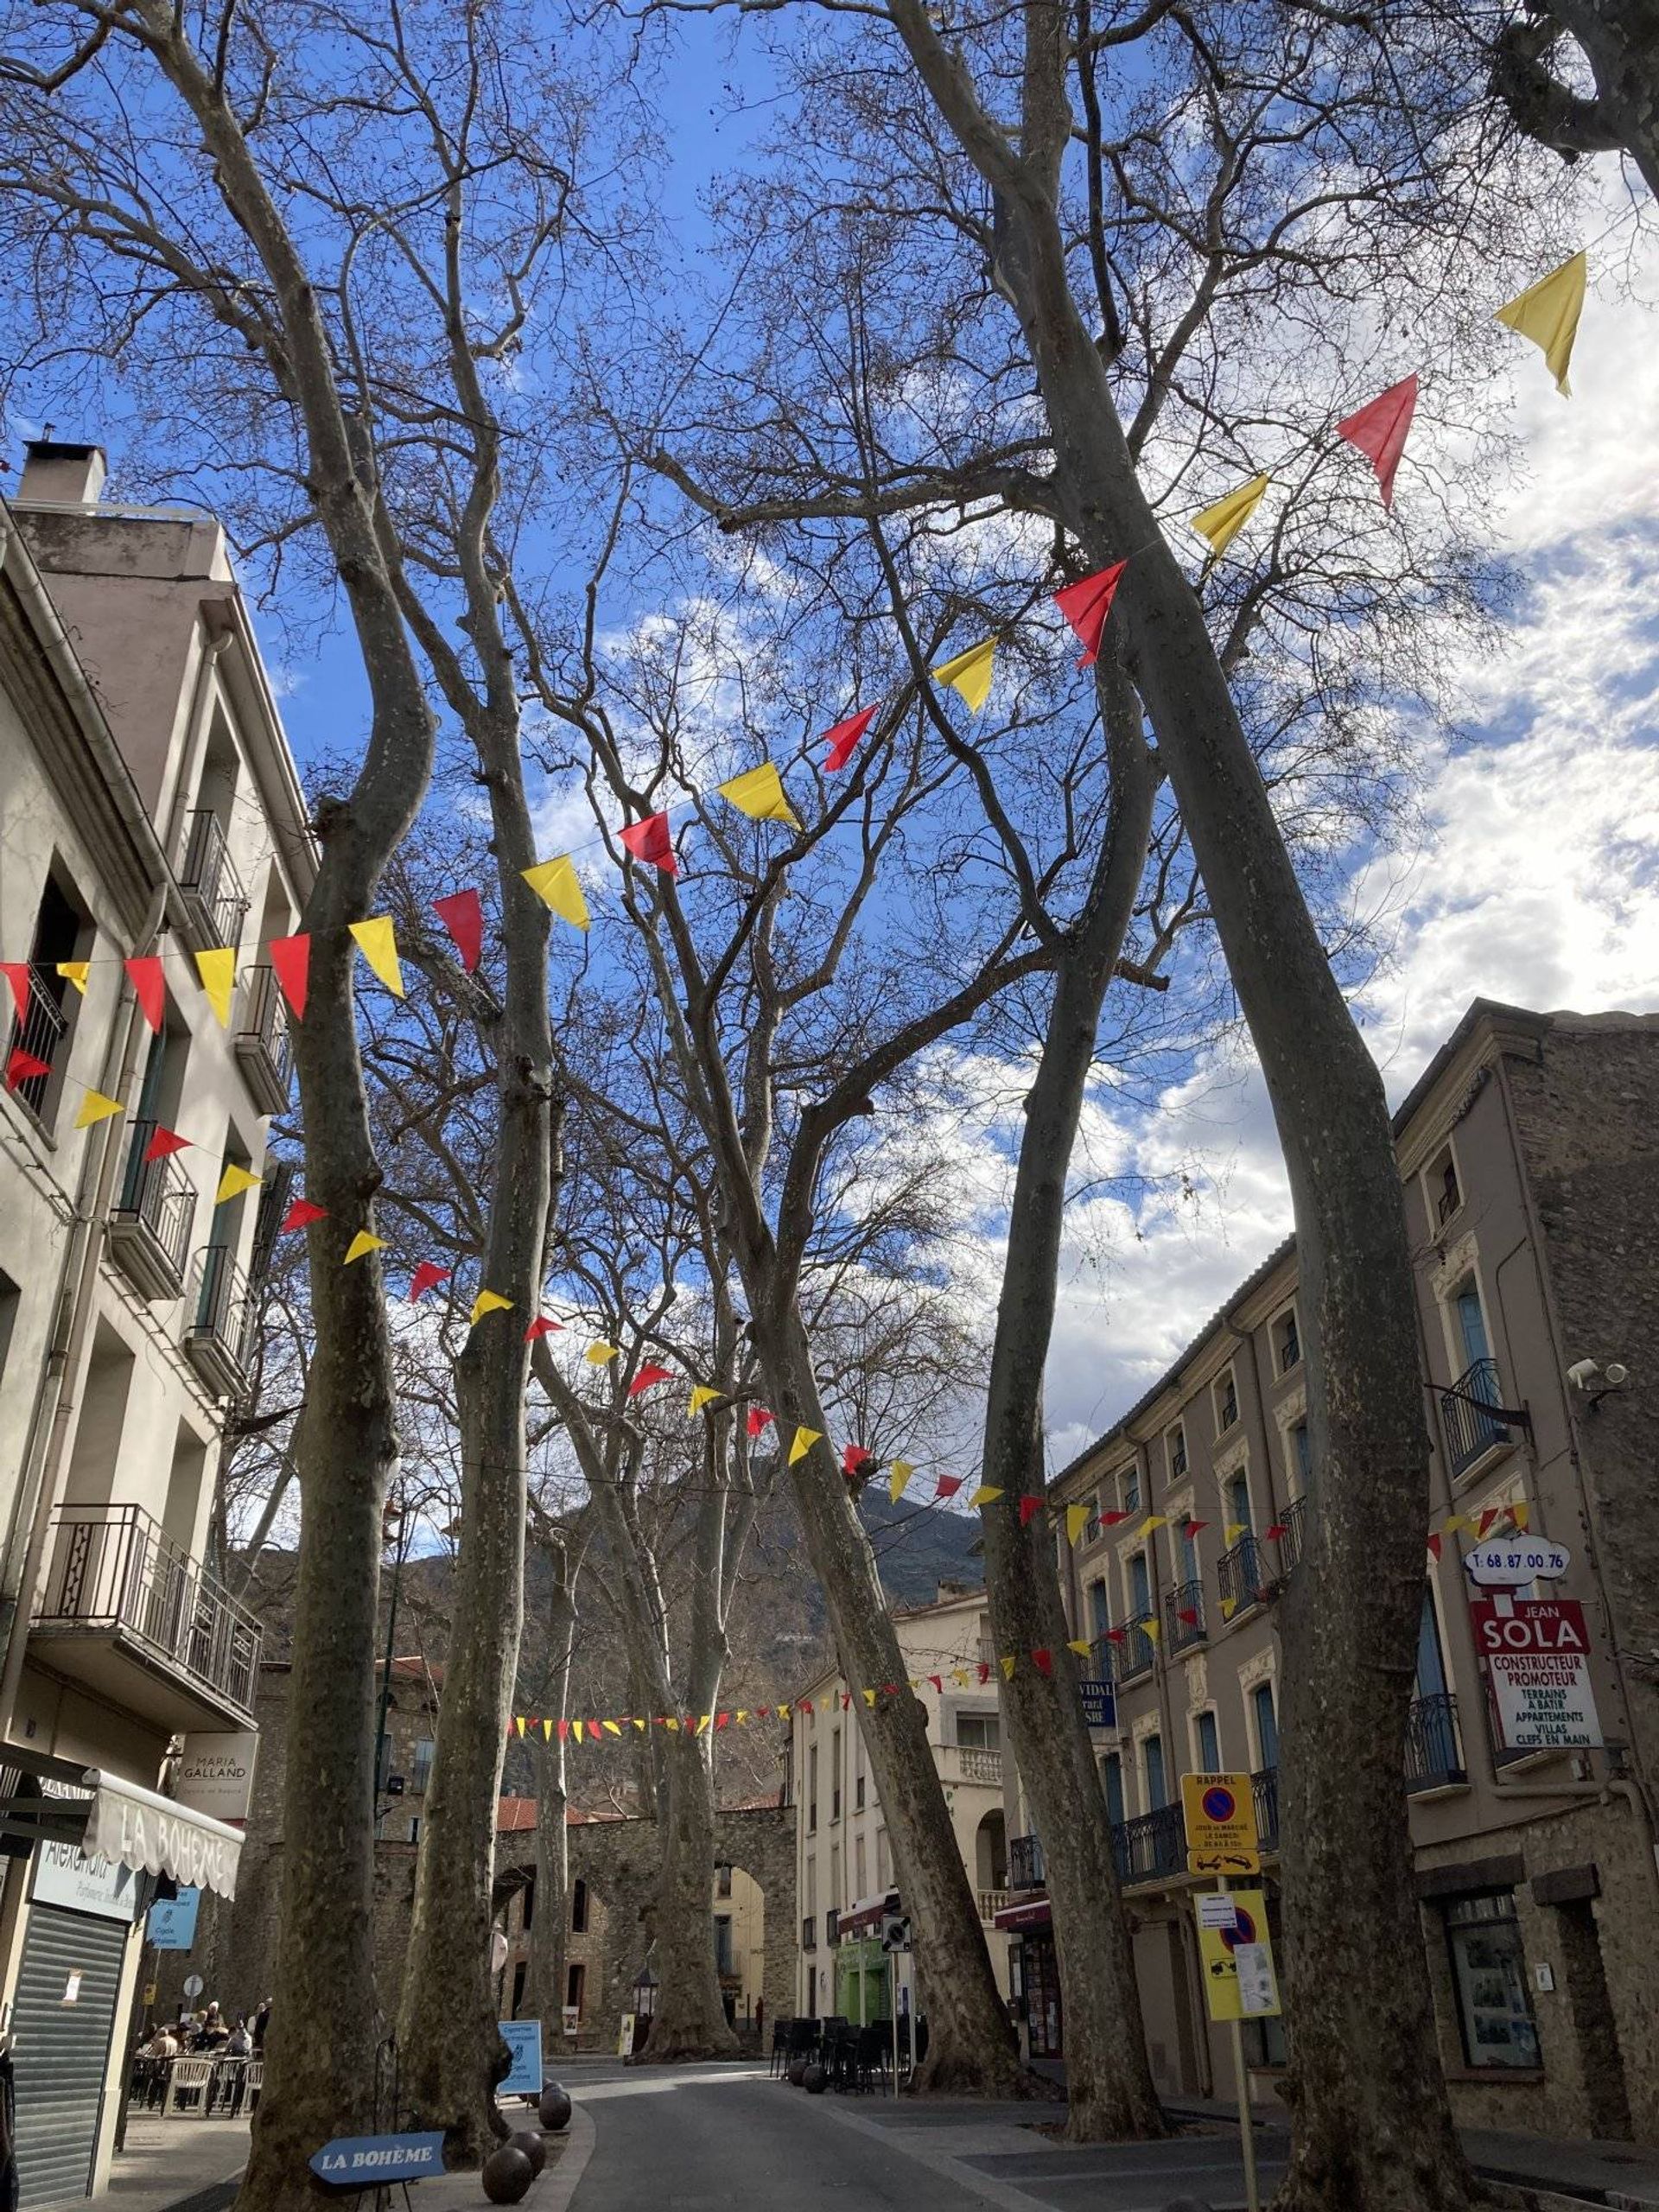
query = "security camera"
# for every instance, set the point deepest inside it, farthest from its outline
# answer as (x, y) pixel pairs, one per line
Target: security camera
(1583, 1373)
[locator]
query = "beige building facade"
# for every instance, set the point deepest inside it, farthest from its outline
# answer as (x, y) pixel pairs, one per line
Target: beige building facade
(844, 1867)
(1529, 1159)
(149, 806)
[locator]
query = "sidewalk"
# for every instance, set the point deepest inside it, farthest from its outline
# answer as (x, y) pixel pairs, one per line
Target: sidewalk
(172, 2162)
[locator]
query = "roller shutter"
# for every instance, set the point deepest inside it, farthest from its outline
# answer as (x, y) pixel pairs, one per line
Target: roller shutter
(62, 2051)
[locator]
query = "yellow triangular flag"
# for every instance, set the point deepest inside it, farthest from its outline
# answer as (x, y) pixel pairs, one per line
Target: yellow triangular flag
(76, 972)
(362, 1243)
(760, 794)
(702, 1394)
(233, 1182)
(557, 882)
(869, 1697)
(742, 1714)
(902, 1472)
(959, 1676)
(218, 974)
(378, 942)
(703, 1720)
(1007, 1665)
(1151, 1630)
(670, 1722)
(576, 1730)
(1456, 1525)
(987, 1494)
(1233, 1531)
(1547, 312)
(519, 1724)
(611, 1728)
(95, 1106)
(1522, 1516)
(600, 1355)
(1222, 523)
(488, 1301)
(640, 1726)
(804, 1439)
(547, 1732)
(970, 674)
(1153, 1521)
(783, 1713)
(1228, 1607)
(1080, 1645)
(1077, 1520)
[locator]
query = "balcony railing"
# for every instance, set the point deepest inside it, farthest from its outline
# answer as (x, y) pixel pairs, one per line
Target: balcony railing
(212, 890)
(219, 1340)
(1132, 1652)
(1293, 1521)
(113, 1568)
(991, 1902)
(1241, 1576)
(39, 1034)
(1151, 1847)
(1184, 1615)
(262, 1042)
(1433, 1747)
(149, 1226)
(975, 1765)
(1026, 1869)
(1473, 1415)
(1264, 1789)
(809, 1932)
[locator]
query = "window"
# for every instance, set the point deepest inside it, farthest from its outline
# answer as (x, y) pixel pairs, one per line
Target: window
(1267, 1724)
(1176, 1447)
(414, 1827)
(10, 1298)
(1226, 1401)
(979, 1732)
(44, 1025)
(834, 1777)
(883, 1870)
(578, 1907)
(1471, 1325)
(1445, 1193)
(1207, 1741)
(1301, 1455)
(1237, 1497)
(1152, 1752)
(812, 1790)
(813, 1890)
(420, 1773)
(527, 1908)
(1100, 1611)
(575, 1978)
(1489, 1968)
(1139, 1585)
(723, 1943)
(1132, 1490)
(1430, 1663)
(1288, 1342)
(722, 1881)
(1186, 1553)
(858, 1793)
(834, 1876)
(860, 1869)
(1092, 1526)
(1111, 1781)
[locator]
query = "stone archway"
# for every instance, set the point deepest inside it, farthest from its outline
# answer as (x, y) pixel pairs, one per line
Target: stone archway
(760, 1839)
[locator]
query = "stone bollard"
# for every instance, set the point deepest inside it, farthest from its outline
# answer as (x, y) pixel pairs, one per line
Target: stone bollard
(554, 2110)
(507, 2174)
(532, 2143)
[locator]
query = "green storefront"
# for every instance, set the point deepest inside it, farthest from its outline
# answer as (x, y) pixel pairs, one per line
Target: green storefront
(863, 1981)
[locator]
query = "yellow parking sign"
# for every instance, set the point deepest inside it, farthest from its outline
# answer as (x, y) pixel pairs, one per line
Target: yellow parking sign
(1220, 1815)
(1239, 1981)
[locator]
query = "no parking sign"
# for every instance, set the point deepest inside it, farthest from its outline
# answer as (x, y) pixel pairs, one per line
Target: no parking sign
(1220, 1811)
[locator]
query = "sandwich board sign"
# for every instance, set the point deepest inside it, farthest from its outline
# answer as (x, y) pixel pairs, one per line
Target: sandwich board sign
(1537, 1655)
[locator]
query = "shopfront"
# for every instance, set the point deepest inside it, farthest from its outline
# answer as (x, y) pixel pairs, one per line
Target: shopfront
(1036, 1975)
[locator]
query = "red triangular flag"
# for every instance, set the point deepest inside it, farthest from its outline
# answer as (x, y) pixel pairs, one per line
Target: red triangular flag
(949, 1485)
(938, 1682)
(163, 1143)
(647, 1376)
(1085, 607)
(290, 961)
(763, 1711)
(23, 1067)
(1043, 1661)
(16, 974)
(1028, 1507)
(1114, 1636)
(541, 1326)
(984, 1670)
(1278, 1529)
(843, 737)
(1380, 429)
(1192, 1526)
(149, 988)
(649, 841)
(758, 1417)
(1188, 1614)
(853, 1457)
(565, 1730)
(427, 1276)
(722, 1721)
(301, 1213)
(462, 915)
(1434, 1546)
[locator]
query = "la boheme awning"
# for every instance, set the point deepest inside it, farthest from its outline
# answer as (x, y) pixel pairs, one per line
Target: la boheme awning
(139, 1828)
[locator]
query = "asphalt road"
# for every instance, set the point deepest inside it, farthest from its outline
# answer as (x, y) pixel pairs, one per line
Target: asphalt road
(726, 2139)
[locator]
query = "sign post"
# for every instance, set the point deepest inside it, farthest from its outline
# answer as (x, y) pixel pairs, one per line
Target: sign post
(1219, 1810)
(895, 1941)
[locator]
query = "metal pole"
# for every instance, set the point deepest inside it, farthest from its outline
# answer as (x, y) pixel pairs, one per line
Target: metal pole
(893, 2008)
(385, 1686)
(1241, 2085)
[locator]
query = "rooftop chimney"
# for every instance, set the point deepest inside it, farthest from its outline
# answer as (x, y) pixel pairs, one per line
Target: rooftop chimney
(57, 474)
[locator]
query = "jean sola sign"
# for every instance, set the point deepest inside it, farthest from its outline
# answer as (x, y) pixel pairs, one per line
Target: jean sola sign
(1537, 1655)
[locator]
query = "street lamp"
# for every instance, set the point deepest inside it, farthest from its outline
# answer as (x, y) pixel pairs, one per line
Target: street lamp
(393, 1521)
(644, 1993)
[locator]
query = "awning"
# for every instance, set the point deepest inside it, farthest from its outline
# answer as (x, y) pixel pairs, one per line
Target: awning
(867, 1915)
(1030, 1912)
(138, 1827)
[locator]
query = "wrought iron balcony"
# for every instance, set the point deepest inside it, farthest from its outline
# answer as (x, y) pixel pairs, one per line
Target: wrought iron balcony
(1152, 1848)
(219, 1341)
(40, 1033)
(1433, 1747)
(1474, 1416)
(1184, 1615)
(1241, 1576)
(1293, 1522)
(1264, 1789)
(1132, 1648)
(1026, 1868)
(128, 1613)
(262, 1042)
(151, 1222)
(213, 897)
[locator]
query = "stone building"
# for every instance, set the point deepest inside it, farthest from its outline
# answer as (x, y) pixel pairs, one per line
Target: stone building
(149, 807)
(844, 1871)
(1528, 1151)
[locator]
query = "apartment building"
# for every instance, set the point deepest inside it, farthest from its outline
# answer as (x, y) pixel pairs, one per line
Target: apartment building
(148, 806)
(844, 1868)
(1529, 1155)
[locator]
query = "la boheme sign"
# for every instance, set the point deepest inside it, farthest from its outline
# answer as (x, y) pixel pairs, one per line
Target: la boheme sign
(1537, 1655)
(360, 2161)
